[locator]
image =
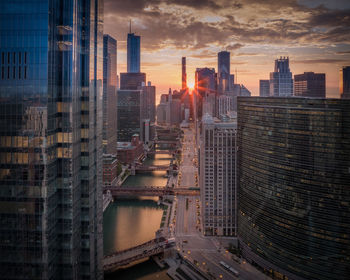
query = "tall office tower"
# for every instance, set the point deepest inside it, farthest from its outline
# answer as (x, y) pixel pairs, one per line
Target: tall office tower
(344, 82)
(148, 102)
(294, 199)
(109, 95)
(129, 114)
(205, 83)
(281, 80)
(310, 84)
(264, 88)
(184, 75)
(225, 104)
(217, 176)
(51, 139)
(132, 81)
(133, 53)
(223, 71)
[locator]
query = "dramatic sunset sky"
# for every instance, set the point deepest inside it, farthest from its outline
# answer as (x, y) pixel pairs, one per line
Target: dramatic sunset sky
(315, 34)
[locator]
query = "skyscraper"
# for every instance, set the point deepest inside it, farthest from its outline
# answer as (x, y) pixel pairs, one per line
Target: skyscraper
(51, 139)
(344, 82)
(205, 83)
(294, 199)
(133, 53)
(132, 81)
(223, 71)
(184, 75)
(109, 95)
(264, 88)
(217, 176)
(310, 84)
(129, 114)
(281, 80)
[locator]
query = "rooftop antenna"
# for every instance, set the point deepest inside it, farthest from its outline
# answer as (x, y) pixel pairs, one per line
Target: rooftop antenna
(130, 26)
(236, 76)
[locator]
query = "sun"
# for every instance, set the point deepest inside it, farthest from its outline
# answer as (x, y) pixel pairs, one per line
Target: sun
(190, 85)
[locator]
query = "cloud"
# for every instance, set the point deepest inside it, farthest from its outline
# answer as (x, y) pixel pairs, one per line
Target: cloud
(319, 61)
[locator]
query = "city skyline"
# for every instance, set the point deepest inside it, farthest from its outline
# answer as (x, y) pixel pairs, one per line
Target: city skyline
(314, 34)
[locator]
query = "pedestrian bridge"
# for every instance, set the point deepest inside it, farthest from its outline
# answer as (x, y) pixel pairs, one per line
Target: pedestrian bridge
(122, 258)
(149, 191)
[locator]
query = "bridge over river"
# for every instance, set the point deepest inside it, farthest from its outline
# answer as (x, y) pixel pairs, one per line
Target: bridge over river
(118, 259)
(149, 191)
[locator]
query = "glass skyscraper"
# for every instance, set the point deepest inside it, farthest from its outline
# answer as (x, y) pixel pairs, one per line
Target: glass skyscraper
(294, 186)
(281, 80)
(51, 139)
(223, 71)
(133, 53)
(109, 95)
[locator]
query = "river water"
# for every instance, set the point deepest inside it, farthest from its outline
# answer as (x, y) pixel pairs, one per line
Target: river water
(133, 221)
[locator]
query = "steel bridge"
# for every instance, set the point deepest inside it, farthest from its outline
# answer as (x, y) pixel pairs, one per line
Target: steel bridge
(122, 258)
(152, 167)
(149, 191)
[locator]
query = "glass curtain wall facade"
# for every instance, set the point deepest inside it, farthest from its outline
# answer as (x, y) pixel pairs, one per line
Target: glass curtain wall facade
(133, 53)
(109, 95)
(50, 139)
(294, 191)
(129, 114)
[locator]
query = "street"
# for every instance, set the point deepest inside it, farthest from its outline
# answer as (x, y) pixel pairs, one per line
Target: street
(204, 252)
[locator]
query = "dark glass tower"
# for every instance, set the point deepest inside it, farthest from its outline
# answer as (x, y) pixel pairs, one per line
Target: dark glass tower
(223, 71)
(344, 82)
(109, 95)
(310, 84)
(294, 192)
(133, 53)
(51, 139)
(129, 114)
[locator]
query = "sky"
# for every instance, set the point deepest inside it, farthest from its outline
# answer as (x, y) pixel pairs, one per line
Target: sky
(315, 34)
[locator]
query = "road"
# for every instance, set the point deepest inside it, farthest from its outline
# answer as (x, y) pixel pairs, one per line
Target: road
(204, 252)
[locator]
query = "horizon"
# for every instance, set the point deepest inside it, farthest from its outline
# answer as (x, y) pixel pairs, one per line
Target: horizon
(314, 35)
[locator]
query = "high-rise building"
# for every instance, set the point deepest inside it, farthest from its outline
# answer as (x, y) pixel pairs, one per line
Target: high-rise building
(281, 80)
(109, 95)
(205, 83)
(310, 84)
(184, 75)
(344, 82)
(294, 199)
(217, 176)
(148, 102)
(223, 71)
(132, 81)
(51, 139)
(129, 114)
(133, 53)
(264, 88)
(225, 104)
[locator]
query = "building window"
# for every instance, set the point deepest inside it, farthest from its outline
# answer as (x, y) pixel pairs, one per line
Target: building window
(25, 58)
(2, 72)
(14, 58)
(8, 58)
(2, 58)
(25, 72)
(19, 58)
(19, 72)
(14, 72)
(8, 72)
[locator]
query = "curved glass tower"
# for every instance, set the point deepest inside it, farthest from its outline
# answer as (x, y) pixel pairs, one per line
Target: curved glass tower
(294, 186)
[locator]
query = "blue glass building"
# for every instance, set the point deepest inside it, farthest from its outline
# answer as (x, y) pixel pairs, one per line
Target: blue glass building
(51, 139)
(133, 53)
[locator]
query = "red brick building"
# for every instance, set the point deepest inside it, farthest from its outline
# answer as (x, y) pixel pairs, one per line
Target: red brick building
(110, 164)
(128, 152)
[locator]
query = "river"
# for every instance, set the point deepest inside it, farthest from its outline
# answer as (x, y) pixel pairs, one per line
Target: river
(133, 221)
